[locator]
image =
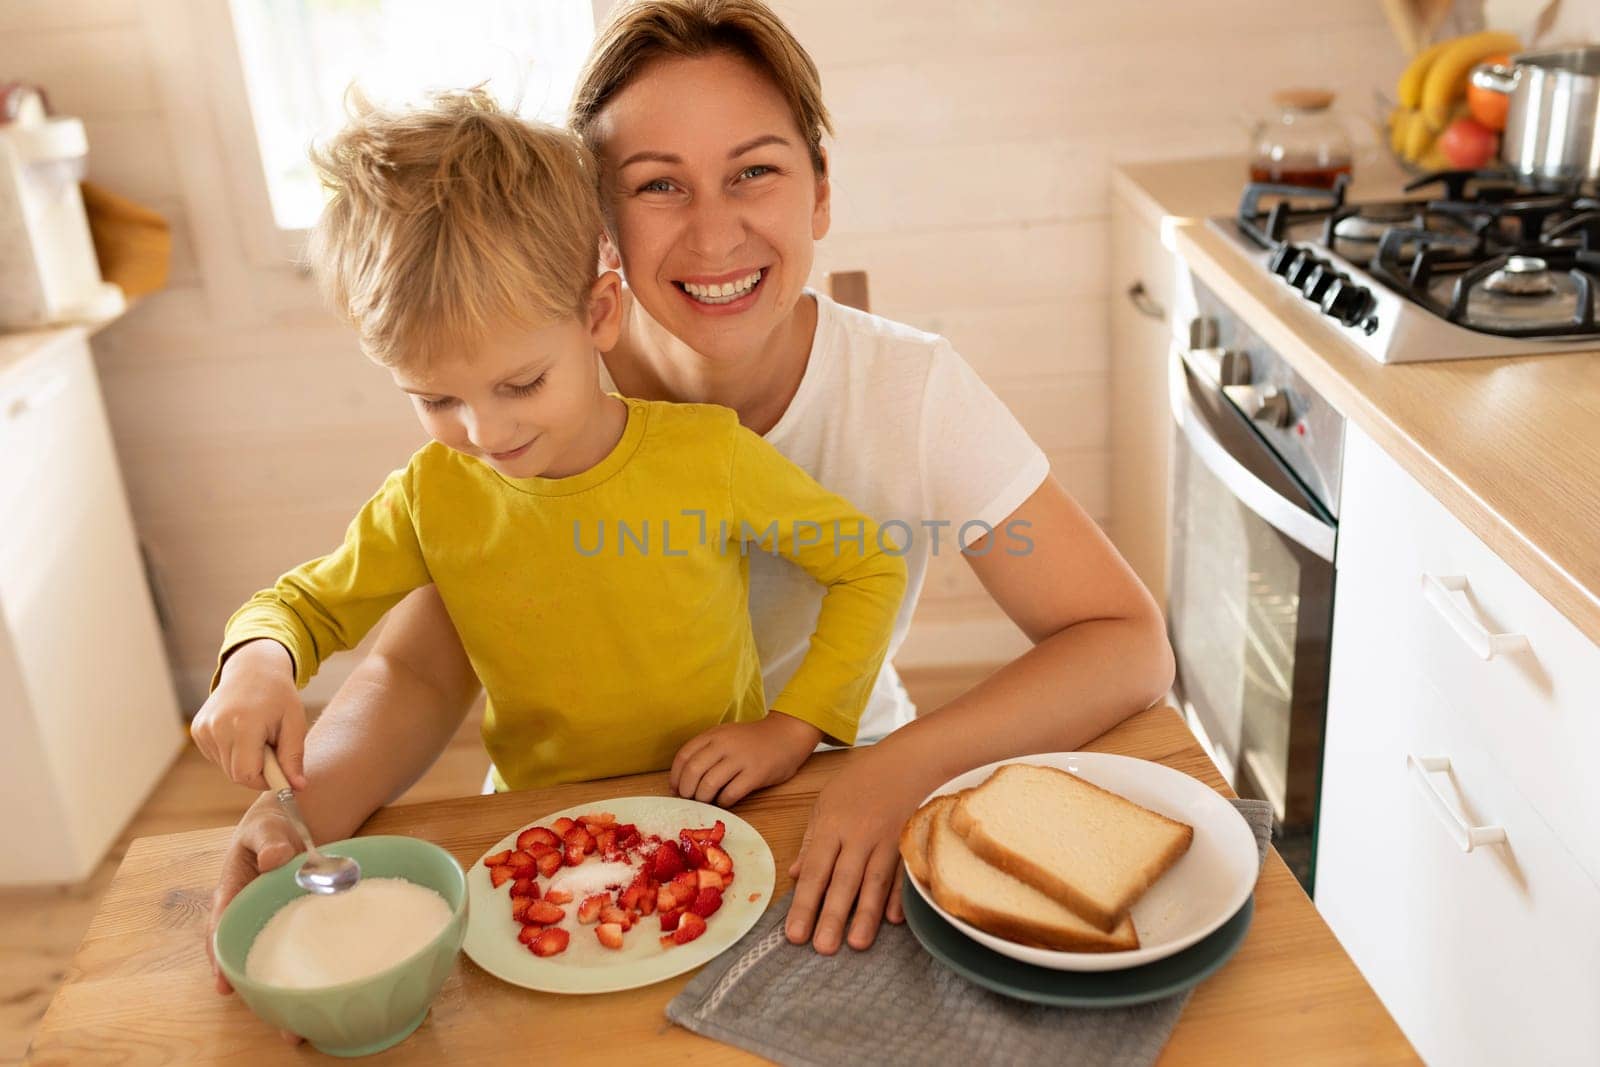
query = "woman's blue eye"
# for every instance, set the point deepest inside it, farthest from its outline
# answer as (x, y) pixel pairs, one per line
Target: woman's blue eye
(660, 185)
(524, 390)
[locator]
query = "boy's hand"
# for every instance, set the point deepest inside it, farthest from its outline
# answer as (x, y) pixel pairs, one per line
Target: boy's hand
(850, 858)
(729, 762)
(254, 705)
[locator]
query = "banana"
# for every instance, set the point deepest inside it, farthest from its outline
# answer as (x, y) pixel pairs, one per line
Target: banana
(1446, 80)
(1399, 123)
(1409, 90)
(1419, 137)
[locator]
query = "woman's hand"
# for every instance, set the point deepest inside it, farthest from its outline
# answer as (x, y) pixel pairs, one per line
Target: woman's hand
(850, 858)
(727, 763)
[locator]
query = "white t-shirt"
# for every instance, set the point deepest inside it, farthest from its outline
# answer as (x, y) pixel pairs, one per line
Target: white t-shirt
(893, 420)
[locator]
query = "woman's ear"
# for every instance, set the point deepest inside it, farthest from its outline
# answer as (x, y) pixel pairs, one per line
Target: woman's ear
(610, 258)
(822, 211)
(605, 311)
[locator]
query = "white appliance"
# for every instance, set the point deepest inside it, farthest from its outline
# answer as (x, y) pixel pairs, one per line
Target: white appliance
(89, 721)
(48, 270)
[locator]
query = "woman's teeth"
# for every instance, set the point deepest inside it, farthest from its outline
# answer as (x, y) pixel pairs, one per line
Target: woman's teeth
(726, 293)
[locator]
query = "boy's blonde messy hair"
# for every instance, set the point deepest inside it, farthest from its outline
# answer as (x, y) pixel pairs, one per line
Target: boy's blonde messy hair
(452, 219)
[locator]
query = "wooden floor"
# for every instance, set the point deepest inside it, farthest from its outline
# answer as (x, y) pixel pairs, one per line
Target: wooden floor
(40, 928)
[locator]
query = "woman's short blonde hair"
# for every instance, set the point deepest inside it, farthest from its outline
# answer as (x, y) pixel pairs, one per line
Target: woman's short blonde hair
(646, 30)
(452, 219)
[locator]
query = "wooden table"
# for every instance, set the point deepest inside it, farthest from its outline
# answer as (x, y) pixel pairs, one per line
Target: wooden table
(139, 989)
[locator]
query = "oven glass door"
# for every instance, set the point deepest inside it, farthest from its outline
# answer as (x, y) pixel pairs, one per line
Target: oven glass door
(1250, 607)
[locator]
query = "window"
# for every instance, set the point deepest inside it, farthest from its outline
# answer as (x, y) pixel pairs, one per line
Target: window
(299, 56)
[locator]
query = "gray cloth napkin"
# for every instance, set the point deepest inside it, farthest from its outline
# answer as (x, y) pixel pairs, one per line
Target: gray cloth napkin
(895, 1004)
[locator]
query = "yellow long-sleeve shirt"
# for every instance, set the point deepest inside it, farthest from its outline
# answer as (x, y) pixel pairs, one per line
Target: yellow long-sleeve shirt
(606, 613)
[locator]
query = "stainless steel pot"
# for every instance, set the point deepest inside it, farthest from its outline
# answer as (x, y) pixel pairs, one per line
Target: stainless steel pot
(1550, 127)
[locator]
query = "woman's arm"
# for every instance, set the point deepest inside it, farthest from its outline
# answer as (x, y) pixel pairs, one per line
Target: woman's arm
(381, 732)
(1100, 654)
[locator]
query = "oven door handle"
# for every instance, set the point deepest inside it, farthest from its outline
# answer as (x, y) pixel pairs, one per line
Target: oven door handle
(1305, 530)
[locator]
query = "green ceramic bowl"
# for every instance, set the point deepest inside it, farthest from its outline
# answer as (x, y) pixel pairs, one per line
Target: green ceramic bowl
(365, 1016)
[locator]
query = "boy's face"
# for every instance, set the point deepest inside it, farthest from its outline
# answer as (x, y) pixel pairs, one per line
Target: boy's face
(524, 400)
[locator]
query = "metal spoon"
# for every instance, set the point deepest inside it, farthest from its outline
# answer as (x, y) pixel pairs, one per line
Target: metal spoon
(318, 873)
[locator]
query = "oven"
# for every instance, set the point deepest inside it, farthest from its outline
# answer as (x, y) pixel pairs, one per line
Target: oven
(1254, 502)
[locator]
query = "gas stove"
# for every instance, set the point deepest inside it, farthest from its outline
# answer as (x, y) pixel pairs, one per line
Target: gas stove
(1472, 265)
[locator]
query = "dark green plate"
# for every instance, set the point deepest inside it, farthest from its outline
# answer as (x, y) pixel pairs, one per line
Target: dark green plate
(1074, 989)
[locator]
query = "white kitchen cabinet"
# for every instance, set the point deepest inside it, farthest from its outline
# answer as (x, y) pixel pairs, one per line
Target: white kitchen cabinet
(1144, 277)
(1487, 956)
(90, 718)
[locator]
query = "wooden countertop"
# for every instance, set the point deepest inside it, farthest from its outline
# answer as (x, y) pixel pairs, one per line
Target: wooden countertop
(1511, 446)
(139, 989)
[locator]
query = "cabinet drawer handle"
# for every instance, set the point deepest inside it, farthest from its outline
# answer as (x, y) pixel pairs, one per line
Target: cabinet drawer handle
(1145, 304)
(1485, 645)
(1465, 836)
(38, 398)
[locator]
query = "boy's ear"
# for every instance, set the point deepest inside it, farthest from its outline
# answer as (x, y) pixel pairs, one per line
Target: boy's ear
(605, 311)
(610, 258)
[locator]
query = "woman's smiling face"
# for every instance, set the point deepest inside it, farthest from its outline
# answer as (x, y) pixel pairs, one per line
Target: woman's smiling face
(713, 199)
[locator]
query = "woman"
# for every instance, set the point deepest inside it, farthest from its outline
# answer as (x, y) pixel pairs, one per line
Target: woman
(708, 120)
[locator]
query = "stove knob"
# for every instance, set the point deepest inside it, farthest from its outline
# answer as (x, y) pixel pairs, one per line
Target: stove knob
(1348, 302)
(1300, 269)
(1283, 258)
(1321, 278)
(1274, 408)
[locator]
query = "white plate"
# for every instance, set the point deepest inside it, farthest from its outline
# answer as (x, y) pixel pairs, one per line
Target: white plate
(1195, 896)
(589, 967)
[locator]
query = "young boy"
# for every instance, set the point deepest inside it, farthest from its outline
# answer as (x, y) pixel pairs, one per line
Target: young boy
(590, 549)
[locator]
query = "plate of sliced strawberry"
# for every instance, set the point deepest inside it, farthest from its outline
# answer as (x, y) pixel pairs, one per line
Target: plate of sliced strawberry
(615, 894)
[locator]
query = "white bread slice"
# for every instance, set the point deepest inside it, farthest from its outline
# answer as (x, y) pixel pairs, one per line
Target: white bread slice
(1090, 849)
(992, 900)
(914, 837)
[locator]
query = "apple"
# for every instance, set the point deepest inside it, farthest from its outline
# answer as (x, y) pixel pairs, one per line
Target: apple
(1468, 144)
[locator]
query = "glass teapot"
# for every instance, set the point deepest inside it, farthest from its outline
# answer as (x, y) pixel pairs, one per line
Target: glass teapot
(1302, 143)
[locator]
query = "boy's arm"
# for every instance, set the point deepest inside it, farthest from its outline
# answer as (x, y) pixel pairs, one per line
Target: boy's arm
(329, 604)
(779, 507)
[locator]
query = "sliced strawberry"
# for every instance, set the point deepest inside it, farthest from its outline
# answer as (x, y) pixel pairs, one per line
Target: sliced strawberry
(688, 879)
(498, 859)
(710, 835)
(668, 861)
(499, 876)
(589, 910)
(550, 942)
(562, 825)
(708, 880)
(628, 835)
(681, 894)
(519, 907)
(619, 916)
(537, 835)
(669, 919)
(610, 935)
(600, 818)
(541, 848)
(605, 842)
(640, 888)
(578, 836)
(549, 863)
(543, 912)
(693, 857)
(525, 887)
(523, 864)
(718, 860)
(573, 856)
(647, 904)
(706, 902)
(690, 927)
(664, 897)
(529, 934)
(559, 896)
(668, 940)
